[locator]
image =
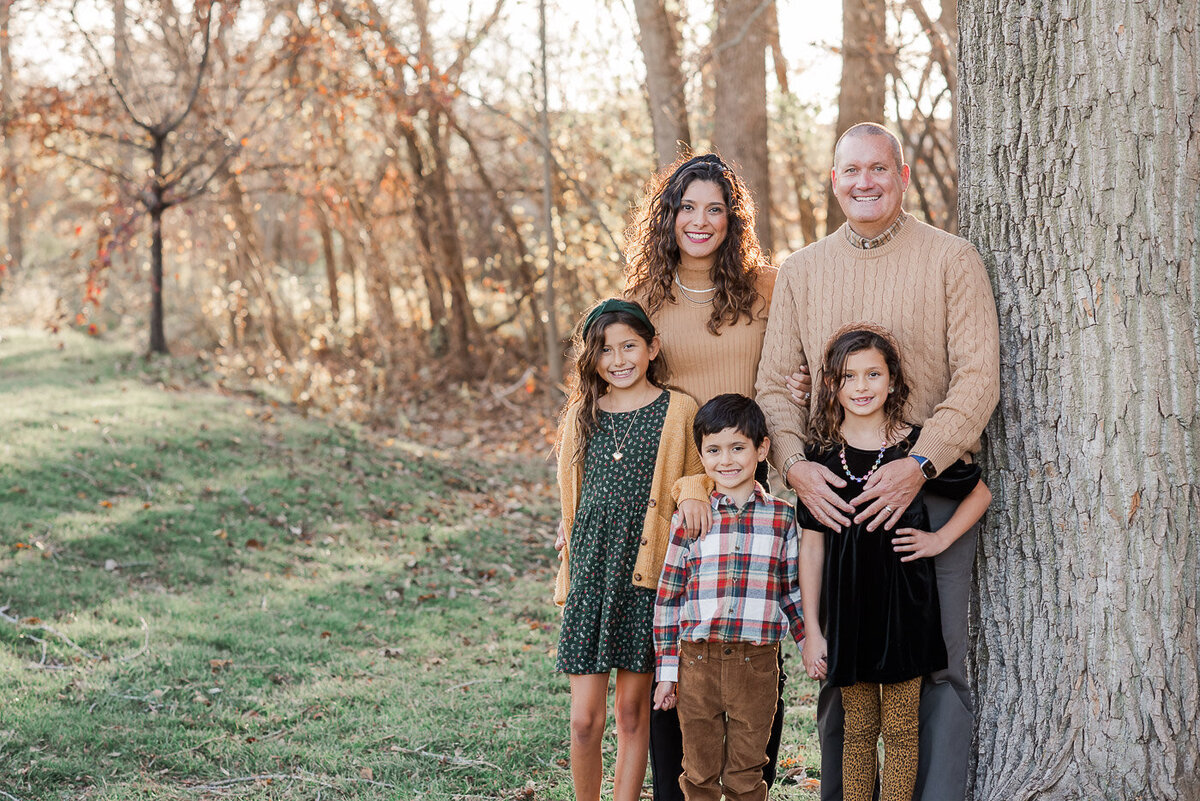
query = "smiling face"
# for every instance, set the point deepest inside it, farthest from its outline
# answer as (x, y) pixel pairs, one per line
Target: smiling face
(701, 224)
(865, 384)
(625, 358)
(868, 183)
(730, 459)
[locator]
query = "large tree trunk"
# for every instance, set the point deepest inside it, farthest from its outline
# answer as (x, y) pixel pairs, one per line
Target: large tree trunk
(740, 101)
(1080, 183)
(10, 260)
(866, 61)
(659, 40)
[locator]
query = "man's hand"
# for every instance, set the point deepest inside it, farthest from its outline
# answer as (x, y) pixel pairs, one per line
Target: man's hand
(889, 491)
(799, 384)
(814, 654)
(918, 544)
(664, 695)
(560, 541)
(812, 484)
(697, 517)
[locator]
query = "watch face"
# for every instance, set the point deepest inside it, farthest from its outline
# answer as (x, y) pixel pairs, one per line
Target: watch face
(928, 469)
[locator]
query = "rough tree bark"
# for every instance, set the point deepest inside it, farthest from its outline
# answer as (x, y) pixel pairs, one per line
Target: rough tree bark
(740, 99)
(866, 61)
(659, 40)
(1080, 184)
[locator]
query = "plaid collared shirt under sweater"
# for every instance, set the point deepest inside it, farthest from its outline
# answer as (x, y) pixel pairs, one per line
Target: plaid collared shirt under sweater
(739, 583)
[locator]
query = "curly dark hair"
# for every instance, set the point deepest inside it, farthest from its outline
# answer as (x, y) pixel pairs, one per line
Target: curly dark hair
(825, 422)
(653, 252)
(585, 382)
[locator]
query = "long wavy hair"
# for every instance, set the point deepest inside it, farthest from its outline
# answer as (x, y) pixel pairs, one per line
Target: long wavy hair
(825, 422)
(653, 251)
(585, 382)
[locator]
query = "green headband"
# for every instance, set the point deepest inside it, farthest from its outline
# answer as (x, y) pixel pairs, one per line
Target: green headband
(616, 305)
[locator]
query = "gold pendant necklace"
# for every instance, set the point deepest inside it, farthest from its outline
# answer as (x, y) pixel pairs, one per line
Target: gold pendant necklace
(619, 446)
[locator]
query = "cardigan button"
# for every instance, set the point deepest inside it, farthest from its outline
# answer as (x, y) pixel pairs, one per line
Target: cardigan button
(645, 541)
(652, 503)
(637, 576)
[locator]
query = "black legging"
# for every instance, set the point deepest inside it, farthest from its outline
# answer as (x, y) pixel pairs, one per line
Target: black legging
(666, 740)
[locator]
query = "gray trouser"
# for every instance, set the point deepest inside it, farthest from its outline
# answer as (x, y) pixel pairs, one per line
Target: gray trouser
(947, 709)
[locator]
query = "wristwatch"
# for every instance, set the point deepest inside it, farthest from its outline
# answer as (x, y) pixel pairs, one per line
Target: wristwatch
(927, 468)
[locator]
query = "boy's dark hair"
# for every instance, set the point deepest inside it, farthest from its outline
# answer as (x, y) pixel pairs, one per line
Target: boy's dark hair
(730, 410)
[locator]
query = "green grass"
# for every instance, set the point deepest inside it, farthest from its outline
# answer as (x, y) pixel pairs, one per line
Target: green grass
(200, 588)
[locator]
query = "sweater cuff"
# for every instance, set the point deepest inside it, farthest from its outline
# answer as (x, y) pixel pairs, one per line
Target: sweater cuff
(942, 454)
(783, 448)
(692, 488)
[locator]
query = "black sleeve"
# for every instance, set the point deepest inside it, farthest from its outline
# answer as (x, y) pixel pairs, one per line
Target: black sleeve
(805, 518)
(956, 481)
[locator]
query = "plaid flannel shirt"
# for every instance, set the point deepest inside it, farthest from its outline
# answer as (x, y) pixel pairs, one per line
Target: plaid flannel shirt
(739, 583)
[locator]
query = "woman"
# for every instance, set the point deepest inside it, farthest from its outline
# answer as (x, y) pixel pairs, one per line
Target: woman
(696, 266)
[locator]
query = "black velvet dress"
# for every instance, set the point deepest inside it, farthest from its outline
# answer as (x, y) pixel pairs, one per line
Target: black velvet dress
(880, 616)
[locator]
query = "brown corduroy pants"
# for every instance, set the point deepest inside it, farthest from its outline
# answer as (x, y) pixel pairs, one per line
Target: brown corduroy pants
(727, 697)
(871, 710)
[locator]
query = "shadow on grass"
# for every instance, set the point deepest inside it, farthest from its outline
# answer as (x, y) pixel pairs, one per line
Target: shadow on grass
(312, 601)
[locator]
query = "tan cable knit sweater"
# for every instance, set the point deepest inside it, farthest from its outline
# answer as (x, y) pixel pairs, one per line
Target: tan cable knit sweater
(704, 365)
(931, 290)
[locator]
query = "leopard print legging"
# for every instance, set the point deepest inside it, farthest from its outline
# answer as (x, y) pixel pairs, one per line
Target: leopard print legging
(863, 703)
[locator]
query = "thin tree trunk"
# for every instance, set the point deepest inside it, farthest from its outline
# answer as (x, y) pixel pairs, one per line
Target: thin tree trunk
(1080, 184)
(659, 39)
(156, 207)
(866, 61)
(740, 100)
(331, 272)
(553, 343)
(11, 260)
(449, 248)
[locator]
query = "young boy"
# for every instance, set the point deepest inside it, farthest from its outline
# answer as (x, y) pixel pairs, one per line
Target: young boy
(725, 601)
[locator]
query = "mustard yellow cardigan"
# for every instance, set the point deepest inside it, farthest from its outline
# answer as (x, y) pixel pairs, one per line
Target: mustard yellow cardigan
(677, 457)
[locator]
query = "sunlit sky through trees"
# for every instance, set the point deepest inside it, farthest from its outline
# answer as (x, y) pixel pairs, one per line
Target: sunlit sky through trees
(593, 48)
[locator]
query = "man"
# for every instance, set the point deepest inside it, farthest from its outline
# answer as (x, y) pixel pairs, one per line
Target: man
(931, 291)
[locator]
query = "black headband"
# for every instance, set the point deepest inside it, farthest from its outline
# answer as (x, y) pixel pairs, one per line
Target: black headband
(616, 305)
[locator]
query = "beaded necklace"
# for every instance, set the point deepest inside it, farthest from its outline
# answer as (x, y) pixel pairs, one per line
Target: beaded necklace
(869, 473)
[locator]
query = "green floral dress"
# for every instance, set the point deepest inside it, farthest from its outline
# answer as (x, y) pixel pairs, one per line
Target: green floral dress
(607, 621)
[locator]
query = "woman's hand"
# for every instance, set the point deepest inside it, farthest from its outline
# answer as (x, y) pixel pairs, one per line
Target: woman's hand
(664, 695)
(560, 541)
(918, 544)
(814, 655)
(799, 384)
(697, 517)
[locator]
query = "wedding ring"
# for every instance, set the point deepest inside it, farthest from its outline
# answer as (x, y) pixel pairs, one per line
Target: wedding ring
(888, 509)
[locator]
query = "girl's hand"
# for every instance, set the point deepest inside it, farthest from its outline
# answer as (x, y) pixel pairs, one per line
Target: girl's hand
(918, 544)
(697, 517)
(799, 384)
(814, 655)
(560, 541)
(664, 695)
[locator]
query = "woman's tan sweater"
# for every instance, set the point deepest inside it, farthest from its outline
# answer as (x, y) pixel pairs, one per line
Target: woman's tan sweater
(677, 457)
(704, 364)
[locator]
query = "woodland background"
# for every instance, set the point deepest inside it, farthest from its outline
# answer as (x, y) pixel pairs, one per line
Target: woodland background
(361, 200)
(284, 294)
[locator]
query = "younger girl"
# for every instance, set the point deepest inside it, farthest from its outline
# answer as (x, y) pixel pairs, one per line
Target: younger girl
(623, 442)
(875, 602)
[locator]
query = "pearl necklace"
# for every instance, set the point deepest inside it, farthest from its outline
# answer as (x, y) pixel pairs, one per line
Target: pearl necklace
(871, 472)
